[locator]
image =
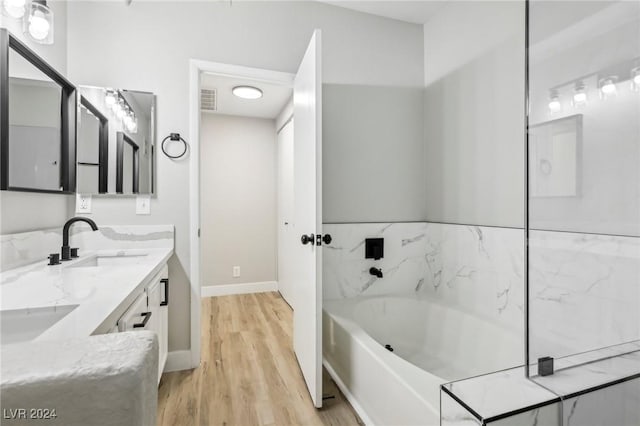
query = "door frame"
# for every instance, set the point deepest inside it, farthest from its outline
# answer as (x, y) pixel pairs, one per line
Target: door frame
(196, 69)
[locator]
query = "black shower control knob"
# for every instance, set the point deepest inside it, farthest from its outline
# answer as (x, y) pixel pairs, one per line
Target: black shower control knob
(306, 239)
(327, 239)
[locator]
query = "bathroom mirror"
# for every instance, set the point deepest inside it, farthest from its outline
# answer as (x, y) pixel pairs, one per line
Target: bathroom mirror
(37, 122)
(116, 138)
(554, 150)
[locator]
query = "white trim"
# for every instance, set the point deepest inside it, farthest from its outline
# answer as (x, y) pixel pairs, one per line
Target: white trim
(345, 391)
(243, 288)
(196, 68)
(177, 360)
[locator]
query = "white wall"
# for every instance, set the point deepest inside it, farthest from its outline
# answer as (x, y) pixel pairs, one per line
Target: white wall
(22, 211)
(238, 196)
(373, 154)
(157, 39)
(474, 113)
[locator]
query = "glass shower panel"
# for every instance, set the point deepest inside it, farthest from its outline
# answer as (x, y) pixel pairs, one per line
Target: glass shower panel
(583, 180)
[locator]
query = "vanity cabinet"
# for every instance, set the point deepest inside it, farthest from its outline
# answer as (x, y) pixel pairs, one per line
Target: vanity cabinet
(150, 312)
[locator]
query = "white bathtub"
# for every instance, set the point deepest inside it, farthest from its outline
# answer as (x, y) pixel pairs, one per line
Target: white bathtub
(432, 344)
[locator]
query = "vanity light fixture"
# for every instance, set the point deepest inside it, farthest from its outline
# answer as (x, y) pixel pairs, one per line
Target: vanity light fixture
(608, 86)
(554, 102)
(579, 95)
(247, 92)
(14, 8)
(38, 24)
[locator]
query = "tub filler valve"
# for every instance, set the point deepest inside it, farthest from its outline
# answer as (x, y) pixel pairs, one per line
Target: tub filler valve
(376, 272)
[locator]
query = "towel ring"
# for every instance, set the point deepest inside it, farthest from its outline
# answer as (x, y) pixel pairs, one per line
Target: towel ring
(174, 137)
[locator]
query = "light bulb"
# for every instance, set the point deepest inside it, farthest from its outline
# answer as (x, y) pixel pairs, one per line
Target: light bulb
(15, 8)
(554, 102)
(608, 86)
(39, 26)
(579, 95)
(110, 98)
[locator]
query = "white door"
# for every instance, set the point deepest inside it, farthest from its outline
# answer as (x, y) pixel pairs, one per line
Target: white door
(307, 194)
(286, 234)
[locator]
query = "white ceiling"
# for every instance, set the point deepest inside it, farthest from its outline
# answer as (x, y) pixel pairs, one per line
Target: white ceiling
(416, 11)
(269, 105)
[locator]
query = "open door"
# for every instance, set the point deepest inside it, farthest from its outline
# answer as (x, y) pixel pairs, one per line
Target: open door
(307, 193)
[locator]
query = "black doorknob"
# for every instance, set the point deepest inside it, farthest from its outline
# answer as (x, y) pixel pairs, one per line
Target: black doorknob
(306, 239)
(327, 239)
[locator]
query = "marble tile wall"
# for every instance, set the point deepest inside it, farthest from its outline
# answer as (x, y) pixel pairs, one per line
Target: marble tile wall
(584, 292)
(24, 248)
(585, 289)
(473, 268)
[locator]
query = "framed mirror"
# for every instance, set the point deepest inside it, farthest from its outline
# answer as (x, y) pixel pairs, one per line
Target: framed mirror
(37, 122)
(124, 150)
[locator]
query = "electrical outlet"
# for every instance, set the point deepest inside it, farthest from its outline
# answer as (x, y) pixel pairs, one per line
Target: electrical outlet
(83, 203)
(236, 271)
(143, 204)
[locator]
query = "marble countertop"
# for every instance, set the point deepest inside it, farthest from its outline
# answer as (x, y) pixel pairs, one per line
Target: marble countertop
(102, 293)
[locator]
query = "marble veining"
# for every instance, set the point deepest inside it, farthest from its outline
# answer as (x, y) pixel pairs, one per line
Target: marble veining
(24, 248)
(473, 268)
(584, 292)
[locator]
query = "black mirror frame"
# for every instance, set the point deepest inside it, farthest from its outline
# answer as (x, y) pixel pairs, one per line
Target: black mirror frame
(103, 145)
(68, 116)
(122, 139)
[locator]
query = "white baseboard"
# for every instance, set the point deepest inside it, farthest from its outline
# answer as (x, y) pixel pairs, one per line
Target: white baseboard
(178, 360)
(244, 288)
(345, 391)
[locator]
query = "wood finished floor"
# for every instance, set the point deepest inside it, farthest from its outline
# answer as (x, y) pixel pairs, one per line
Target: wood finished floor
(249, 374)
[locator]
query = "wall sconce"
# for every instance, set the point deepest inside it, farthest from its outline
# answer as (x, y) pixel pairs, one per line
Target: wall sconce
(14, 8)
(579, 94)
(608, 87)
(554, 102)
(38, 23)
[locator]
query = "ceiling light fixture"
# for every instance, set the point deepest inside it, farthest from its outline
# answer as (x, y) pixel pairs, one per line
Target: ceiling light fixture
(14, 8)
(247, 92)
(39, 23)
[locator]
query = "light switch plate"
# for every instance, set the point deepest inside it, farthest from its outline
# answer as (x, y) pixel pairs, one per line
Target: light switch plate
(83, 203)
(143, 204)
(236, 271)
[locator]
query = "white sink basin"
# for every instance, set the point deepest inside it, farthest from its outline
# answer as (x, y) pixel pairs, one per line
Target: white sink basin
(110, 260)
(22, 325)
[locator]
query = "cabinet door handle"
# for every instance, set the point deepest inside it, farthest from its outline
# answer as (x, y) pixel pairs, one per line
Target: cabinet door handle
(165, 302)
(144, 322)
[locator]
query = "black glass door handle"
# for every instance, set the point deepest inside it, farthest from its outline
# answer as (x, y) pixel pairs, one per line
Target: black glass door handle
(306, 239)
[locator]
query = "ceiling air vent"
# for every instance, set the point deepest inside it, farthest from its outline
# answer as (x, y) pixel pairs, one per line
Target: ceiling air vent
(208, 100)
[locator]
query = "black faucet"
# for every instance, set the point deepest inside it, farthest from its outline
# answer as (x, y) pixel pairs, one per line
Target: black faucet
(68, 252)
(375, 271)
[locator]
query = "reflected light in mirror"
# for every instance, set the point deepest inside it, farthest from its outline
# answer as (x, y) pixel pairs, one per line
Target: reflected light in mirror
(580, 95)
(608, 86)
(554, 102)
